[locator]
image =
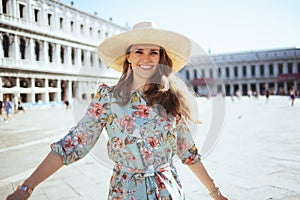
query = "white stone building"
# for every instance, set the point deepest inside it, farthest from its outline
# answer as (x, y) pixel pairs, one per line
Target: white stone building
(48, 51)
(276, 70)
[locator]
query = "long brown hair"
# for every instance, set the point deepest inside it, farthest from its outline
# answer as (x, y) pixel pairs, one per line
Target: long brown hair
(175, 99)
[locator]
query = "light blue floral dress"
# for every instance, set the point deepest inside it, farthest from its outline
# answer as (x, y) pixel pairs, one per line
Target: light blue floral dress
(141, 142)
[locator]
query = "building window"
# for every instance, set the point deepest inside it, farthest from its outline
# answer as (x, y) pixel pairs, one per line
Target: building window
(81, 28)
(203, 73)
(99, 33)
(62, 55)
(195, 73)
(5, 6)
(210, 73)
(235, 71)
(187, 74)
(227, 72)
(298, 68)
(72, 26)
(37, 51)
(36, 15)
(92, 59)
(290, 68)
(6, 46)
(219, 73)
(106, 34)
(82, 57)
(271, 69)
(23, 48)
(61, 22)
(244, 71)
(73, 56)
(252, 70)
(21, 11)
(50, 52)
(280, 68)
(49, 19)
(91, 31)
(262, 70)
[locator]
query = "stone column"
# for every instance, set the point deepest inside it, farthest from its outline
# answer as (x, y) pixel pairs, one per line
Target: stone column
(57, 54)
(17, 94)
(1, 94)
(16, 48)
(32, 98)
(276, 69)
(285, 87)
(231, 90)
(1, 40)
(276, 87)
(257, 88)
(78, 62)
(45, 52)
(58, 93)
(69, 57)
(31, 52)
(46, 96)
(69, 90)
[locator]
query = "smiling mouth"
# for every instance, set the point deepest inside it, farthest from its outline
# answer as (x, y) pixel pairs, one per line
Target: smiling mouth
(146, 66)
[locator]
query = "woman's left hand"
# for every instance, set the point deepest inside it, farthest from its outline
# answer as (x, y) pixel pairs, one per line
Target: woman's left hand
(220, 196)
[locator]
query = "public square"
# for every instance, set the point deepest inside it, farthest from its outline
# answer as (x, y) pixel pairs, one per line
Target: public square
(257, 156)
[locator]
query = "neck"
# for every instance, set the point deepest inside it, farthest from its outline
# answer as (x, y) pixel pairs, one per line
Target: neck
(138, 85)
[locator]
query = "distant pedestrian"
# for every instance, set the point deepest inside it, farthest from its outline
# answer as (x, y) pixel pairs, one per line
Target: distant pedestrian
(20, 105)
(1, 107)
(292, 95)
(67, 104)
(8, 108)
(15, 103)
(267, 95)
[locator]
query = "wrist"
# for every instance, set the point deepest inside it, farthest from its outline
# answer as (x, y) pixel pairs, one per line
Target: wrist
(25, 188)
(215, 192)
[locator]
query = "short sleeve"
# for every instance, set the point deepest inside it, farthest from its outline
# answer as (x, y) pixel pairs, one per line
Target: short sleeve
(186, 148)
(82, 137)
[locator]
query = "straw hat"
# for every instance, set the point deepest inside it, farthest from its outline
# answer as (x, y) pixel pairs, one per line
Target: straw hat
(112, 50)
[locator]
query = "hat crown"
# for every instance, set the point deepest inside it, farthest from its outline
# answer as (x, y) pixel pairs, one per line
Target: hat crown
(142, 25)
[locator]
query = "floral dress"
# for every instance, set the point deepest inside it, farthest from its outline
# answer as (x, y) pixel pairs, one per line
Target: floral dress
(142, 143)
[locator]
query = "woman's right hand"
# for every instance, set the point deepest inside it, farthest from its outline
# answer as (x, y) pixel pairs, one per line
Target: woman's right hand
(18, 195)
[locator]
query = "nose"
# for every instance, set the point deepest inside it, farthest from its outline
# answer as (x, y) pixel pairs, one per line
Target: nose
(146, 58)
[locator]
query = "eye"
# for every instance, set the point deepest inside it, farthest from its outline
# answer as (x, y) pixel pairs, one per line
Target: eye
(138, 52)
(154, 53)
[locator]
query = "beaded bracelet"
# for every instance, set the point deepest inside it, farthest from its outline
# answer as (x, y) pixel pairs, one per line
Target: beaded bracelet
(24, 188)
(215, 192)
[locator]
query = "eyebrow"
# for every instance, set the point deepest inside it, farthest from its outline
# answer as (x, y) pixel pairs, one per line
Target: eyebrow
(141, 49)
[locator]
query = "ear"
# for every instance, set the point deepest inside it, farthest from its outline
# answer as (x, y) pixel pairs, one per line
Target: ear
(128, 58)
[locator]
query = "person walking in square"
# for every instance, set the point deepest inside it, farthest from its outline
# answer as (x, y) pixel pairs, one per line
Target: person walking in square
(146, 116)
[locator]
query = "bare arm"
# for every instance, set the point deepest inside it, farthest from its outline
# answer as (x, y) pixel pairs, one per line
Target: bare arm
(47, 167)
(200, 172)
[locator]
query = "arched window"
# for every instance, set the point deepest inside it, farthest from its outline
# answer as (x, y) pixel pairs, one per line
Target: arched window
(73, 56)
(37, 50)
(23, 48)
(82, 57)
(62, 54)
(50, 52)
(6, 46)
(5, 6)
(92, 59)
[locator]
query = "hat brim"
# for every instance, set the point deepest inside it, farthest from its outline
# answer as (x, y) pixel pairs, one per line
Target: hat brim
(112, 50)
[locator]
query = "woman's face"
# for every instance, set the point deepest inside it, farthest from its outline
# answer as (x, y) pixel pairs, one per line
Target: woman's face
(144, 59)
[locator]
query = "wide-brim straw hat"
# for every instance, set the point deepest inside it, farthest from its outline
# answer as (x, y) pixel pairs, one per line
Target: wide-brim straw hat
(112, 51)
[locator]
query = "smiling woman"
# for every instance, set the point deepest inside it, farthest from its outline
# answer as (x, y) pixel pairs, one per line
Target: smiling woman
(147, 116)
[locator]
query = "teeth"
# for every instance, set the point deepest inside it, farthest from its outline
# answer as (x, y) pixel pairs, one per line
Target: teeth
(146, 66)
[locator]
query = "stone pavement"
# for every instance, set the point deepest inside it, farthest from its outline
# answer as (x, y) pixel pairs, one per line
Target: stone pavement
(257, 157)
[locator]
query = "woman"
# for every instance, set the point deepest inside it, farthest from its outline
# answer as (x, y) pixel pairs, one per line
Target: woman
(146, 116)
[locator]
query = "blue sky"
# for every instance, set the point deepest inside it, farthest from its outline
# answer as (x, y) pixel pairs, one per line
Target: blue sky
(218, 25)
